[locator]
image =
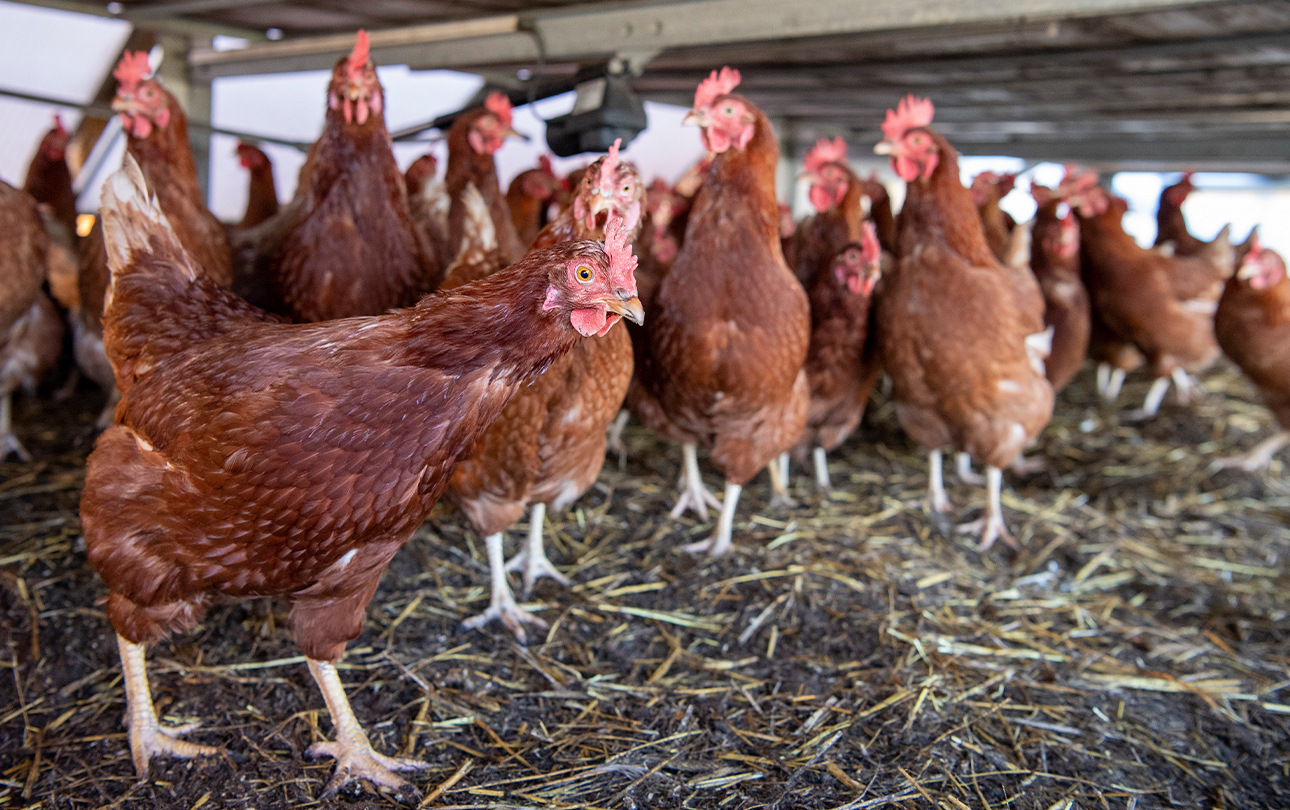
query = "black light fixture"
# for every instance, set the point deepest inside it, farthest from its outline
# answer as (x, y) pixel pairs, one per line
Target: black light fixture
(605, 109)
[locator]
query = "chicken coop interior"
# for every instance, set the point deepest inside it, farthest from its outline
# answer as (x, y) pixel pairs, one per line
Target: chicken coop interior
(938, 464)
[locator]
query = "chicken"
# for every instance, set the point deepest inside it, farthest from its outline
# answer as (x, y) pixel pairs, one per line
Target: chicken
(840, 370)
(49, 180)
(428, 201)
(529, 197)
(262, 194)
(729, 325)
(880, 212)
(157, 138)
(1163, 305)
(547, 447)
(988, 188)
(196, 493)
(346, 244)
(1253, 328)
(1171, 226)
(31, 330)
(837, 195)
(479, 256)
(472, 140)
(1054, 259)
(962, 337)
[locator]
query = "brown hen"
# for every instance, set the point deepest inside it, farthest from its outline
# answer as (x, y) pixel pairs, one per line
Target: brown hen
(472, 140)
(252, 457)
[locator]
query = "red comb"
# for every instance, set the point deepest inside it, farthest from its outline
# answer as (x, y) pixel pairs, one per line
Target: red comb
(911, 112)
(358, 58)
(58, 124)
(544, 163)
(610, 167)
(499, 105)
(826, 151)
(869, 246)
(132, 69)
(1255, 247)
(717, 84)
(622, 262)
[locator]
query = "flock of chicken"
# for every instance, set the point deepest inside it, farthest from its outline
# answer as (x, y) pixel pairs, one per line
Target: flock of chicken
(287, 402)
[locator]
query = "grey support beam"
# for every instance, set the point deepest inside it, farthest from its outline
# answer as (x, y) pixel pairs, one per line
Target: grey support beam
(168, 25)
(580, 33)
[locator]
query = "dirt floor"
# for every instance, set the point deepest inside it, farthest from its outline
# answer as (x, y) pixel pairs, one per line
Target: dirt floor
(849, 653)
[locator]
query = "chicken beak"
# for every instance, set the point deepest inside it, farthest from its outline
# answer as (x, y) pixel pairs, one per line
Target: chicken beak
(695, 118)
(510, 132)
(629, 308)
(123, 104)
(884, 148)
(1248, 270)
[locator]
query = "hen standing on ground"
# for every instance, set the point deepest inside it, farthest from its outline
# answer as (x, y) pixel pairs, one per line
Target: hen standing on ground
(1253, 327)
(472, 140)
(1054, 259)
(252, 458)
(841, 363)
(31, 331)
(346, 245)
(730, 324)
(548, 445)
(962, 338)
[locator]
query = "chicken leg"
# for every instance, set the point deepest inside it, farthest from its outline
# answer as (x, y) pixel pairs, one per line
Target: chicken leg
(936, 484)
(719, 542)
(1256, 459)
(778, 469)
(355, 758)
(533, 560)
(963, 467)
(991, 526)
(1150, 405)
(614, 437)
(148, 738)
(694, 495)
(822, 481)
(8, 442)
(502, 606)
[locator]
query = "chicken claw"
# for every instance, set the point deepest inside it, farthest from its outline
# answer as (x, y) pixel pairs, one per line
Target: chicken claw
(533, 560)
(353, 752)
(719, 542)
(502, 606)
(148, 738)
(991, 526)
(1256, 459)
(694, 494)
(936, 497)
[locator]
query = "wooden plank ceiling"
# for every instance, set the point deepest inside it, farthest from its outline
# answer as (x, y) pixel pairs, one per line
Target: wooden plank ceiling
(1145, 84)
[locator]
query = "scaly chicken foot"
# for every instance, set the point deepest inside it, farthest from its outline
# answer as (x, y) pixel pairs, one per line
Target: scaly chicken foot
(1256, 459)
(502, 605)
(532, 561)
(353, 752)
(822, 480)
(148, 738)
(779, 480)
(936, 497)
(991, 526)
(694, 495)
(719, 542)
(963, 468)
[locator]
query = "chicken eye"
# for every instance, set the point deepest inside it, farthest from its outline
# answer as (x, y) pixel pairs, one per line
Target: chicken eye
(627, 188)
(729, 110)
(584, 274)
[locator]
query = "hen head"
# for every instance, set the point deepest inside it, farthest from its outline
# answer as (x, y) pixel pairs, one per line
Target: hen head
(908, 141)
(1080, 190)
(987, 184)
(610, 187)
(354, 90)
(825, 168)
(541, 183)
(859, 266)
(725, 117)
(144, 105)
(595, 286)
(422, 169)
(54, 145)
(1261, 268)
(1176, 194)
(492, 125)
(251, 157)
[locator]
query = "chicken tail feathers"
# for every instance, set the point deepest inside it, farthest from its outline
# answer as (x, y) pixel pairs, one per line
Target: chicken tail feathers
(133, 226)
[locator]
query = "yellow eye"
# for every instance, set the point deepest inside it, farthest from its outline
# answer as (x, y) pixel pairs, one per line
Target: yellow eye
(584, 274)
